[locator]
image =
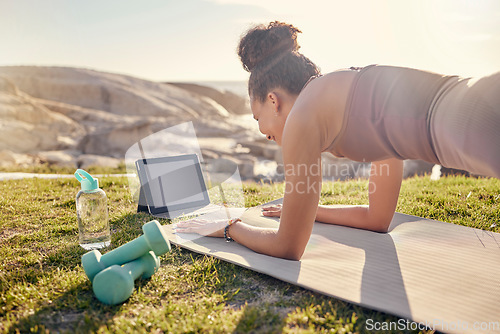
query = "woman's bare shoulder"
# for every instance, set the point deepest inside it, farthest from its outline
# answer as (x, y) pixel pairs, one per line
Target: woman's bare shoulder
(328, 90)
(342, 76)
(321, 105)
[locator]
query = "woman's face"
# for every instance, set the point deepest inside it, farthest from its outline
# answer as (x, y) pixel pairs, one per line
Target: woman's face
(271, 115)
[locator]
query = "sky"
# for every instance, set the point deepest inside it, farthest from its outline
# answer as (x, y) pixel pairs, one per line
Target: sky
(196, 40)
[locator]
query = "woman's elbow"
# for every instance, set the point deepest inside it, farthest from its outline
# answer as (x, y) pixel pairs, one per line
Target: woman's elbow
(291, 252)
(293, 256)
(380, 225)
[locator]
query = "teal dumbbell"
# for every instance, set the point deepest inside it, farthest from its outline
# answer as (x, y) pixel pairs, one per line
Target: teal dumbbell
(154, 239)
(115, 284)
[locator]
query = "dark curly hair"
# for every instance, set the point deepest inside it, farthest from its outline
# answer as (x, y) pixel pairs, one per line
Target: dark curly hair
(270, 54)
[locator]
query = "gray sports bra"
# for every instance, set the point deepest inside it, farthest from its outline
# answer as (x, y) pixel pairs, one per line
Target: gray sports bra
(387, 114)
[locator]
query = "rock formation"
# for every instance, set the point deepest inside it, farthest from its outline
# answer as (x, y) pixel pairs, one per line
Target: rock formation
(71, 116)
(230, 101)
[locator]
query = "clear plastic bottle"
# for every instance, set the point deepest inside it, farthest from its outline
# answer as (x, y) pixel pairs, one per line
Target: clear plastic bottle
(92, 212)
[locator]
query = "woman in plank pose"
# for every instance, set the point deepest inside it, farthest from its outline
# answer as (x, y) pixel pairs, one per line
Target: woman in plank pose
(380, 114)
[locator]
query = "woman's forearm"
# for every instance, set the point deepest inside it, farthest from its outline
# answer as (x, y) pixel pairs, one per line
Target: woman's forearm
(354, 216)
(265, 240)
(261, 240)
(383, 192)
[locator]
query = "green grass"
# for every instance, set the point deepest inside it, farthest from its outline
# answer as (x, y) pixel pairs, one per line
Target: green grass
(44, 289)
(54, 169)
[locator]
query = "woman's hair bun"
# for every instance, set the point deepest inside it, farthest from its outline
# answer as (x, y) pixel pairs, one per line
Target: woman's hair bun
(264, 42)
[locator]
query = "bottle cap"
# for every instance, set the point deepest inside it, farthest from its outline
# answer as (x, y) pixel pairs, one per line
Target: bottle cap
(88, 182)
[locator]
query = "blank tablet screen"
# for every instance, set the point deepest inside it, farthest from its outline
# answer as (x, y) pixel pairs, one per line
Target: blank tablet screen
(173, 183)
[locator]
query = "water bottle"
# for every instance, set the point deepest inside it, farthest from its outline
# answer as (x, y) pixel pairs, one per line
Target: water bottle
(92, 213)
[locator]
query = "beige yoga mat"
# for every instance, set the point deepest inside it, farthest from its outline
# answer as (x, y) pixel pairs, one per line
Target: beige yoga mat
(437, 274)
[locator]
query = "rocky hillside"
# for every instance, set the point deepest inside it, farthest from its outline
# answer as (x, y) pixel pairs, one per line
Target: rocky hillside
(78, 117)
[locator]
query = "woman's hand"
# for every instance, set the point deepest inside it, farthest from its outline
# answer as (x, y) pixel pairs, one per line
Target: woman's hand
(209, 228)
(272, 211)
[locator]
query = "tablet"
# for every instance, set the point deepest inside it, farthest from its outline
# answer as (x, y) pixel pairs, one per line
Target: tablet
(172, 183)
